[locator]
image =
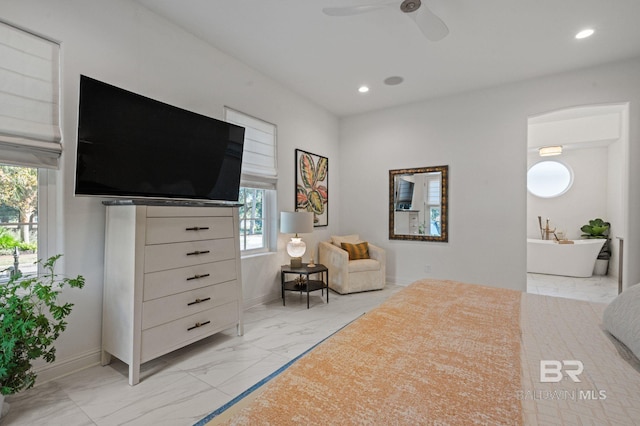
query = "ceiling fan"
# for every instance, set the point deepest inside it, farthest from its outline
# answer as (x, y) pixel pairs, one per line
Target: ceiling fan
(430, 24)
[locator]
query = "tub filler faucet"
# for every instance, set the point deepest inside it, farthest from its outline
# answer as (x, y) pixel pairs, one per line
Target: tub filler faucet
(546, 232)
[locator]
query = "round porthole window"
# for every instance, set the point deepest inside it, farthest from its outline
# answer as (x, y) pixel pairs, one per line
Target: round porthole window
(548, 179)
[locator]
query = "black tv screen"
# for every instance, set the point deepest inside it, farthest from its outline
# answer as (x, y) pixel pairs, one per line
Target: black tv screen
(132, 146)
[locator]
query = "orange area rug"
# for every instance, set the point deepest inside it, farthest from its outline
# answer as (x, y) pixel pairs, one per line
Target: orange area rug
(437, 352)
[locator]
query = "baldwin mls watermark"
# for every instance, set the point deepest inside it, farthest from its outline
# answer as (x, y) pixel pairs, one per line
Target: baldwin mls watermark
(555, 371)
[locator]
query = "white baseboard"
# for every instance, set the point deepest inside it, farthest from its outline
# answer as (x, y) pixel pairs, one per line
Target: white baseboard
(399, 281)
(248, 303)
(61, 368)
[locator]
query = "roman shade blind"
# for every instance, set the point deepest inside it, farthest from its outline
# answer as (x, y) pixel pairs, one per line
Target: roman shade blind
(434, 192)
(29, 99)
(259, 165)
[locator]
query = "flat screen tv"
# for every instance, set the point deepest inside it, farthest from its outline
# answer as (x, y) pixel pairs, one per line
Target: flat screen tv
(131, 146)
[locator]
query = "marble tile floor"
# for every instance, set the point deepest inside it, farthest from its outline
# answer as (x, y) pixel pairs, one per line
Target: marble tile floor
(186, 385)
(602, 289)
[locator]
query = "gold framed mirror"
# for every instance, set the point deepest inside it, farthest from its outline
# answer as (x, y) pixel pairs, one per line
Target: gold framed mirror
(418, 204)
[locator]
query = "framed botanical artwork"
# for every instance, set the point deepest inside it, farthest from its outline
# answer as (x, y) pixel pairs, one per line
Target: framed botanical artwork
(312, 186)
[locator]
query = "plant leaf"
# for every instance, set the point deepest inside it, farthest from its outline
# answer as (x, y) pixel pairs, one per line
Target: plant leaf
(307, 170)
(316, 202)
(301, 198)
(31, 321)
(322, 169)
(324, 193)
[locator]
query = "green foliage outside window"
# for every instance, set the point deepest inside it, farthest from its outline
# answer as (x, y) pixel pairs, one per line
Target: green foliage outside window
(18, 203)
(19, 190)
(251, 212)
(252, 219)
(8, 242)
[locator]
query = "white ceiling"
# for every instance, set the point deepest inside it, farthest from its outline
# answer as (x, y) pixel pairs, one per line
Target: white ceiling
(326, 59)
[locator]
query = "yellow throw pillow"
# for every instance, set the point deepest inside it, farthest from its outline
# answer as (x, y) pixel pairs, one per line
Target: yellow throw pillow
(357, 251)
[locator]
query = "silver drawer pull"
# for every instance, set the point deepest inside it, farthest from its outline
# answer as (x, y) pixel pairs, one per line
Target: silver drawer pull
(195, 302)
(197, 252)
(197, 228)
(197, 277)
(197, 325)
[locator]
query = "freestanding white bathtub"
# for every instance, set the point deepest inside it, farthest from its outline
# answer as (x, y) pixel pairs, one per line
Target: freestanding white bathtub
(571, 260)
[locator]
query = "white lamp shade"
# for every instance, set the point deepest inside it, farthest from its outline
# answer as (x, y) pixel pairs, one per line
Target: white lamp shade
(296, 222)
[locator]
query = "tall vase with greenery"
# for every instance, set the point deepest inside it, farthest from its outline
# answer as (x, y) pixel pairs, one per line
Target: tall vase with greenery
(31, 319)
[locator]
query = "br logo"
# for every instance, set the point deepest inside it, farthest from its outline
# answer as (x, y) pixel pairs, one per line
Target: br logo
(552, 371)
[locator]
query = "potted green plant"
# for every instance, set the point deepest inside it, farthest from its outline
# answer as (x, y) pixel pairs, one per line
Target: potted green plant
(598, 228)
(31, 319)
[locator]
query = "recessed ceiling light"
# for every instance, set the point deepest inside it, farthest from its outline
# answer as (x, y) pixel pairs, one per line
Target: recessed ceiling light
(363, 89)
(585, 33)
(393, 81)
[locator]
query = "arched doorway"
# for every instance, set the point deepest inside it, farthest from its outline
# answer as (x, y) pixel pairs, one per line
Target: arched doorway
(594, 148)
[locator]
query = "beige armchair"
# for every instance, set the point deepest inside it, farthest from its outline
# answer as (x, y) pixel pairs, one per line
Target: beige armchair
(351, 276)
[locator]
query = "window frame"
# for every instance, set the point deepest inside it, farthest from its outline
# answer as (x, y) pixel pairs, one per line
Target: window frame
(47, 216)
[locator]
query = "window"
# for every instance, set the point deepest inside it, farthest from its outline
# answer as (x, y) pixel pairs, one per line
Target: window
(252, 236)
(18, 220)
(548, 179)
(434, 202)
(30, 144)
(258, 181)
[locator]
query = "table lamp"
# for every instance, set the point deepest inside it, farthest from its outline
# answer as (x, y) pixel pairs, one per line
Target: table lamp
(296, 223)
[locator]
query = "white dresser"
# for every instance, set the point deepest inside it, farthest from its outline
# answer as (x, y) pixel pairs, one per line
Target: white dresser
(172, 277)
(407, 222)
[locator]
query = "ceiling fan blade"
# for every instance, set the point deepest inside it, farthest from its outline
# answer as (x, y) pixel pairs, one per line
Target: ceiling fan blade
(352, 10)
(430, 24)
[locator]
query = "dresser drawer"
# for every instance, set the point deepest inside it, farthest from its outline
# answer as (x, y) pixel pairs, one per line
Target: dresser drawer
(161, 257)
(164, 283)
(170, 308)
(187, 212)
(159, 340)
(162, 230)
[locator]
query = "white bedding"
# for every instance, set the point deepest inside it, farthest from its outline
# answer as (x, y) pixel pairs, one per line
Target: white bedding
(557, 330)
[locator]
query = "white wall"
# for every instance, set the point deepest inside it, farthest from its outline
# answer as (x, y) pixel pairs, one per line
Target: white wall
(482, 136)
(585, 200)
(617, 193)
(121, 43)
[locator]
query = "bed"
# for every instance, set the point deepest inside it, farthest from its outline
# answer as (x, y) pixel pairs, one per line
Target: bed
(445, 352)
